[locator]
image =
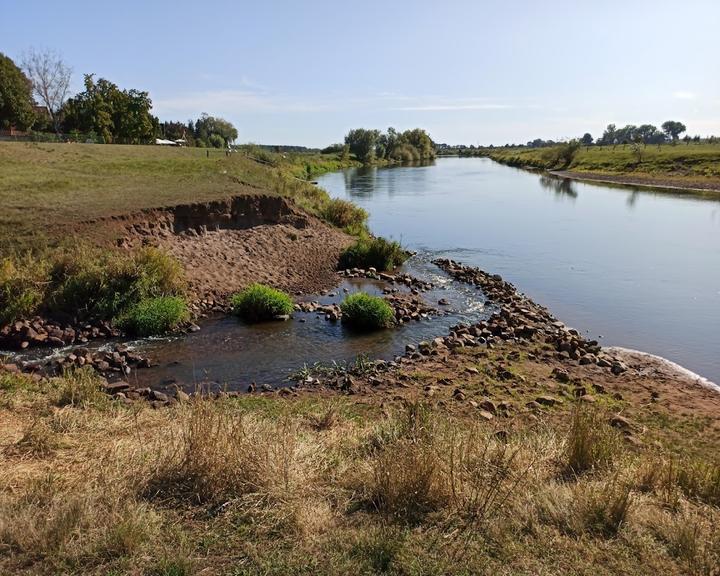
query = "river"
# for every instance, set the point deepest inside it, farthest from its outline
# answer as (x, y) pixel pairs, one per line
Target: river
(634, 267)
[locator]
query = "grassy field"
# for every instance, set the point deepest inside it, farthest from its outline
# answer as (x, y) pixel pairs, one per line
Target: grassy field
(335, 485)
(688, 165)
(47, 188)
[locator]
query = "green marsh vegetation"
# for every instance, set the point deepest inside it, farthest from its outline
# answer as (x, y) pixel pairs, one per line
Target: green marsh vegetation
(258, 303)
(86, 283)
(153, 316)
(371, 252)
(364, 312)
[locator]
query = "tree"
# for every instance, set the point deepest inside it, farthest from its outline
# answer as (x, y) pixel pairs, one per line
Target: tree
(16, 103)
(587, 139)
(673, 129)
(362, 144)
(121, 116)
(609, 136)
(50, 78)
(213, 131)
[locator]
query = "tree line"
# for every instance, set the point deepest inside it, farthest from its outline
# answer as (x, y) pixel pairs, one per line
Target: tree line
(669, 132)
(369, 146)
(35, 97)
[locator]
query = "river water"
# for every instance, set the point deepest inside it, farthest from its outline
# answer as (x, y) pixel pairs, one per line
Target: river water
(637, 268)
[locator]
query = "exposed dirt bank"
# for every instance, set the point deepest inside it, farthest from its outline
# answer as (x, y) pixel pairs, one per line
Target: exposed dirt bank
(225, 245)
(644, 181)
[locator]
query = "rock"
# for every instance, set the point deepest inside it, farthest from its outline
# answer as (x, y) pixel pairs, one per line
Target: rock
(472, 370)
(561, 375)
(621, 423)
(458, 394)
(182, 396)
(547, 400)
(618, 368)
(488, 405)
(115, 387)
(485, 415)
(158, 396)
(410, 348)
(443, 302)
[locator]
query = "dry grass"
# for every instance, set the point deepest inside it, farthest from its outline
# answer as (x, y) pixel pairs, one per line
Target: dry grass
(591, 443)
(271, 486)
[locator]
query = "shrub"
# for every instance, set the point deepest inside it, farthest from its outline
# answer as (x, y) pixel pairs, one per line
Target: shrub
(107, 284)
(259, 302)
(154, 316)
(21, 288)
(344, 214)
(377, 253)
(366, 312)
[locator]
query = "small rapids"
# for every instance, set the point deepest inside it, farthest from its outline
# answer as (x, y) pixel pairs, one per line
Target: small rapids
(228, 354)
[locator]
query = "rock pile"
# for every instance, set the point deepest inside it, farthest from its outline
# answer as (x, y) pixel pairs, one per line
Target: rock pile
(40, 332)
(519, 318)
(400, 279)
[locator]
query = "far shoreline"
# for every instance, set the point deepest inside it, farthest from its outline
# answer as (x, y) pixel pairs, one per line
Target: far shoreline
(712, 190)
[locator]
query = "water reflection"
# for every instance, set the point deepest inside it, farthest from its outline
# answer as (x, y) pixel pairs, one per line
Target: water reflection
(561, 187)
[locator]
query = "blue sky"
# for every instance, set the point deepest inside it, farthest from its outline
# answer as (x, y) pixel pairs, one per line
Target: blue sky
(473, 72)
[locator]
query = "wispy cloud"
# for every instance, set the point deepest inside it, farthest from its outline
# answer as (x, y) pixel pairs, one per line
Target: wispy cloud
(684, 95)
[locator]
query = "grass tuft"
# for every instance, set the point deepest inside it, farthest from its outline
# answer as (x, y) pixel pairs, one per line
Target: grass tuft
(378, 253)
(365, 312)
(258, 303)
(591, 444)
(155, 316)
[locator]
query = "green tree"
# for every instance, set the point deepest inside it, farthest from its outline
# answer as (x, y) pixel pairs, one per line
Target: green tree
(214, 131)
(609, 136)
(587, 139)
(16, 103)
(120, 116)
(673, 129)
(363, 144)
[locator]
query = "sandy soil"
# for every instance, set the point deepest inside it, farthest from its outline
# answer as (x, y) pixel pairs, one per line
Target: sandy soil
(294, 259)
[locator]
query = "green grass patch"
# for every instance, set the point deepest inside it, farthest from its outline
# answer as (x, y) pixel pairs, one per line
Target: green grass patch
(258, 303)
(364, 312)
(345, 215)
(377, 253)
(154, 316)
(85, 284)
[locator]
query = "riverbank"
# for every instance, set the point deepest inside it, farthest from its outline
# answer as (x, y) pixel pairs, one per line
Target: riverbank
(509, 446)
(678, 184)
(681, 167)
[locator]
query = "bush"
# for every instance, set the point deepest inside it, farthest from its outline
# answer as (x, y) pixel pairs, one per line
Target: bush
(377, 253)
(366, 312)
(107, 284)
(259, 302)
(344, 214)
(154, 316)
